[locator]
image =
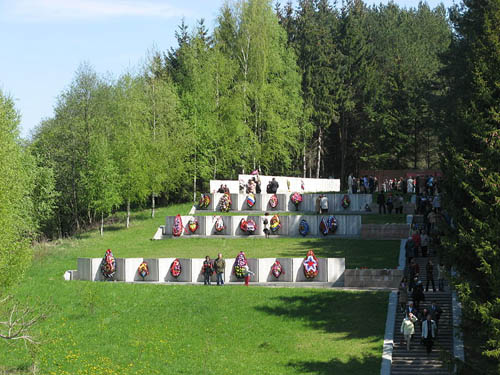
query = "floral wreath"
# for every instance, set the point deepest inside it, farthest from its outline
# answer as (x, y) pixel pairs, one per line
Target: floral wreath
(204, 201)
(275, 223)
(277, 269)
(143, 270)
(251, 200)
(296, 198)
(108, 265)
(225, 202)
(176, 268)
(303, 227)
(193, 225)
(219, 224)
(273, 201)
(346, 201)
(177, 227)
(311, 266)
(239, 265)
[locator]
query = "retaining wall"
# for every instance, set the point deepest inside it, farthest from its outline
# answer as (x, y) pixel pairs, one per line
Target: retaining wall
(308, 204)
(375, 278)
(385, 231)
(348, 225)
(331, 270)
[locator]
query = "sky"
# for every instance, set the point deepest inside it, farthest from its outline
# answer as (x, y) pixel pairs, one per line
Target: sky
(42, 42)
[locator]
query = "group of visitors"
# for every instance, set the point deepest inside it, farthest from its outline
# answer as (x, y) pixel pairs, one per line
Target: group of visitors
(218, 267)
(223, 189)
(392, 202)
(411, 291)
(362, 185)
(412, 185)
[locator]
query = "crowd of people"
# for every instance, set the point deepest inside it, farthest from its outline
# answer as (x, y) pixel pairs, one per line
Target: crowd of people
(411, 289)
(411, 185)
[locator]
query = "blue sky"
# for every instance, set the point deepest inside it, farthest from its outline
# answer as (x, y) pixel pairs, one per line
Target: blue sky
(44, 41)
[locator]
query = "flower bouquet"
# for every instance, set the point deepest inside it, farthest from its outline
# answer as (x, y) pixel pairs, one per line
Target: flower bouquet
(346, 201)
(303, 228)
(239, 265)
(177, 227)
(225, 202)
(296, 198)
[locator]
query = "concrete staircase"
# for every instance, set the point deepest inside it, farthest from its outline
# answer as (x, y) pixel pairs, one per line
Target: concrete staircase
(416, 361)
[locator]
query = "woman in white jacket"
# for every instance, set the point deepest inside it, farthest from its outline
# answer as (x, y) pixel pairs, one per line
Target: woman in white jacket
(408, 328)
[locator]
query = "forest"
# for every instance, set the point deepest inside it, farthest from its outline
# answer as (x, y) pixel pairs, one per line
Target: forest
(316, 90)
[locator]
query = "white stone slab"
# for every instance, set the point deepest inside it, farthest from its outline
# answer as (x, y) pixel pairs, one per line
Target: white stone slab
(265, 274)
(336, 269)
(291, 184)
(253, 264)
(298, 270)
(232, 185)
(126, 269)
(210, 225)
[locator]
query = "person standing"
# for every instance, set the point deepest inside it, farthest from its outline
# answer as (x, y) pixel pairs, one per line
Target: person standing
(418, 295)
(441, 277)
(323, 204)
(220, 266)
(408, 328)
(349, 184)
(390, 203)
(410, 185)
(424, 244)
(248, 274)
(381, 202)
(265, 225)
(429, 332)
(429, 268)
(403, 294)
(207, 270)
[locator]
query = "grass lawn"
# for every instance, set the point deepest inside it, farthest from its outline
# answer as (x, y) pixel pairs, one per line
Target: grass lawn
(118, 328)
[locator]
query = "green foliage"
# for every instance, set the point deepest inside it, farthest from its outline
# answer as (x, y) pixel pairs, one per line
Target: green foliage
(471, 159)
(16, 209)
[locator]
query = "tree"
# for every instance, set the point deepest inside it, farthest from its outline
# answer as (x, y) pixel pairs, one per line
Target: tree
(16, 209)
(471, 162)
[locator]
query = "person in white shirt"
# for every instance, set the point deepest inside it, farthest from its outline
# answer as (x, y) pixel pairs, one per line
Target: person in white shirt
(323, 204)
(410, 185)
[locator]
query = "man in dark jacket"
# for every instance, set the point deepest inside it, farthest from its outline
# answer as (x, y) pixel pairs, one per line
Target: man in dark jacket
(219, 266)
(381, 202)
(207, 270)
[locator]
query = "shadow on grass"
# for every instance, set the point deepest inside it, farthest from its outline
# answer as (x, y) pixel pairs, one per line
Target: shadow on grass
(357, 315)
(365, 365)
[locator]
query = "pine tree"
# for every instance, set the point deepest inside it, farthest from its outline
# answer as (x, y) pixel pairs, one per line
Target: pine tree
(471, 163)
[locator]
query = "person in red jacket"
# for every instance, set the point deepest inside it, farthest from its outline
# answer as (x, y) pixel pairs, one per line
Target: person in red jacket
(417, 240)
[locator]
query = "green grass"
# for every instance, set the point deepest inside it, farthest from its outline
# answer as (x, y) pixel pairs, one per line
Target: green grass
(118, 328)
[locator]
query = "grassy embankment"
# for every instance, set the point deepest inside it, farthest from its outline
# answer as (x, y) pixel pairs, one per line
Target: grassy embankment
(117, 328)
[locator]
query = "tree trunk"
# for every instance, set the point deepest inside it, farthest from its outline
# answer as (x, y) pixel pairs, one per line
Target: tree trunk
(102, 224)
(128, 213)
(194, 178)
(415, 150)
(153, 205)
(320, 141)
(304, 161)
